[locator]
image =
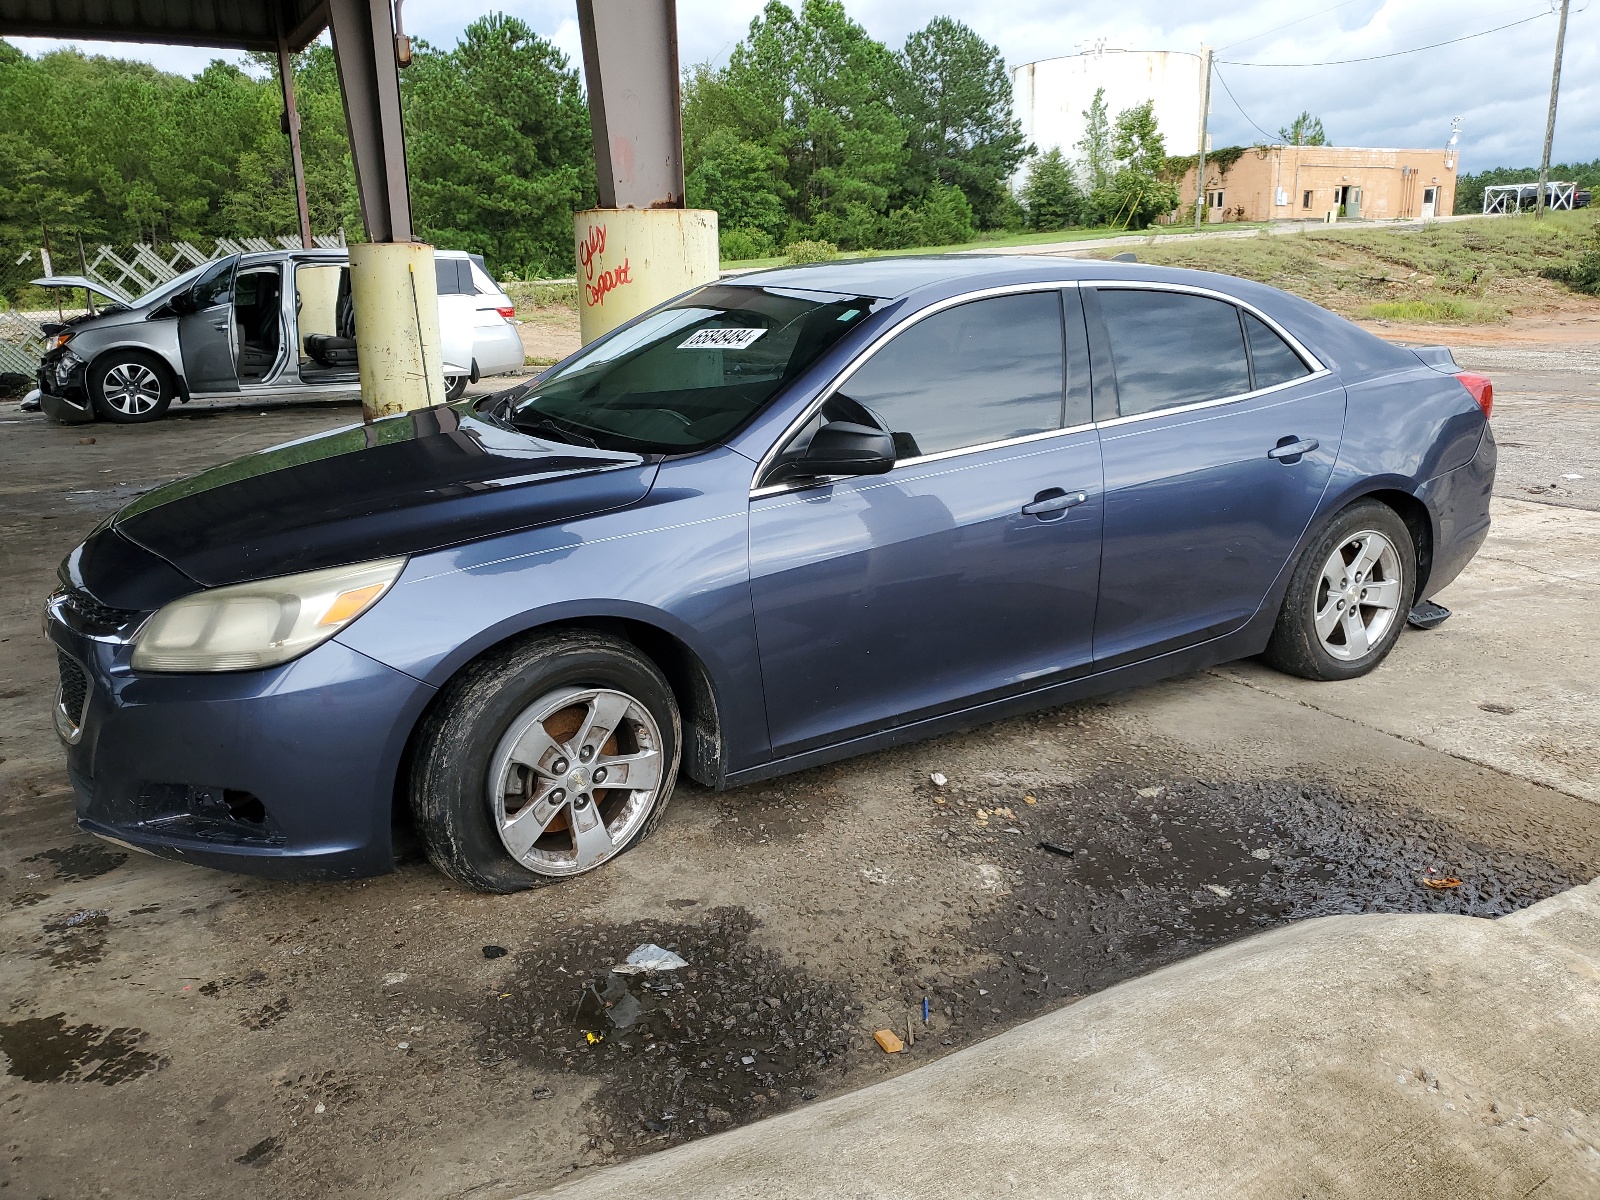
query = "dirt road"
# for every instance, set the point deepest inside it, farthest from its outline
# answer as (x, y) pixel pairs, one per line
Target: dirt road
(172, 1031)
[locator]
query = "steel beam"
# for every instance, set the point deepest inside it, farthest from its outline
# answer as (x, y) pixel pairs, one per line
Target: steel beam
(630, 62)
(363, 46)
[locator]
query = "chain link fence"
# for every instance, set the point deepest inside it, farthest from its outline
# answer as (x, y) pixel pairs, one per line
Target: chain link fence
(125, 271)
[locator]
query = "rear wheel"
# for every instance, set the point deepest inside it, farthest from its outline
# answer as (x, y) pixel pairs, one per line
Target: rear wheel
(1349, 596)
(129, 387)
(545, 761)
(454, 387)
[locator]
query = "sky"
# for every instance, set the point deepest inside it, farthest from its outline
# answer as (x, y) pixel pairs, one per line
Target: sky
(1498, 85)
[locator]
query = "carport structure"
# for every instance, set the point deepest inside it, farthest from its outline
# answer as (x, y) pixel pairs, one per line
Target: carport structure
(631, 64)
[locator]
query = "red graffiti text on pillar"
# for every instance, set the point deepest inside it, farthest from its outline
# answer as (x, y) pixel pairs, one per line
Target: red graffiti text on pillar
(598, 283)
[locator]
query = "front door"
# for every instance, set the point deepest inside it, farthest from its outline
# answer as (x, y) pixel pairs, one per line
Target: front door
(1430, 201)
(205, 330)
(967, 572)
(1222, 445)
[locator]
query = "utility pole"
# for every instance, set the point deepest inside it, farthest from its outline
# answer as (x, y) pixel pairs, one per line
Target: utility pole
(1550, 121)
(1205, 113)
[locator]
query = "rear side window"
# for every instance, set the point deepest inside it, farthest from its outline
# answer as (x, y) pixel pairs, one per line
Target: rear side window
(981, 372)
(454, 276)
(1171, 348)
(1271, 360)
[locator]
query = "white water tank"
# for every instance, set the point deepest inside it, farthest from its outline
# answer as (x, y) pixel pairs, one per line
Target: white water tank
(1051, 96)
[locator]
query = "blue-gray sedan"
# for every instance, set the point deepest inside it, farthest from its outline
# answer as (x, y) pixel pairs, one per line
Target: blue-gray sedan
(780, 520)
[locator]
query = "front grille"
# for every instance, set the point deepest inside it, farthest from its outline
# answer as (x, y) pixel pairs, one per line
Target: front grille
(73, 696)
(86, 615)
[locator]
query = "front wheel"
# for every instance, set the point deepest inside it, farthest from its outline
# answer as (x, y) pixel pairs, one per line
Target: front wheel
(1348, 598)
(129, 387)
(455, 386)
(545, 761)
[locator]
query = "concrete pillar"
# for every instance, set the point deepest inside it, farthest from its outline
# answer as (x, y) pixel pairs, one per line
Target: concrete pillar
(641, 246)
(632, 259)
(396, 298)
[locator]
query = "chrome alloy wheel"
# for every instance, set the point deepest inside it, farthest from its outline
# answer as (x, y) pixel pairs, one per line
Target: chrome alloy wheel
(131, 388)
(574, 778)
(1358, 596)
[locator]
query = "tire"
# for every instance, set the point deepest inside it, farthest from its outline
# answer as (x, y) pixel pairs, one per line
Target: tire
(454, 387)
(131, 387)
(509, 726)
(1369, 535)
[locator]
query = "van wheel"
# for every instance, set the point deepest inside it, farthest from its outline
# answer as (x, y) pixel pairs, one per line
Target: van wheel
(129, 387)
(544, 761)
(454, 387)
(1349, 596)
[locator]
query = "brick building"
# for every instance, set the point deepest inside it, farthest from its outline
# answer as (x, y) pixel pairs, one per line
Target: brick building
(1305, 183)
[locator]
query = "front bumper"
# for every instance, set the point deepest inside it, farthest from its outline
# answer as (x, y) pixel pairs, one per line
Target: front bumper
(63, 388)
(288, 772)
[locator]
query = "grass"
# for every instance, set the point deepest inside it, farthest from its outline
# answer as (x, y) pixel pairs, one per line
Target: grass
(988, 241)
(1438, 310)
(1463, 271)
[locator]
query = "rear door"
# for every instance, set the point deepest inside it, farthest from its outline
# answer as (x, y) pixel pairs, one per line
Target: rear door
(458, 313)
(205, 332)
(1218, 440)
(967, 572)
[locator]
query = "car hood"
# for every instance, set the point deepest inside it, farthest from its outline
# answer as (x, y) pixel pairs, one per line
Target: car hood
(403, 485)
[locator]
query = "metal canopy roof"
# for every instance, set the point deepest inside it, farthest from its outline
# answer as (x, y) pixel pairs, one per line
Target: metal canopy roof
(226, 24)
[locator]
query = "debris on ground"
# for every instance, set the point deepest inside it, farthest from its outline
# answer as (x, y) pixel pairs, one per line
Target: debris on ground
(887, 1040)
(1441, 883)
(1053, 848)
(939, 779)
(495, 952)
(1219, 890)
(648, 959)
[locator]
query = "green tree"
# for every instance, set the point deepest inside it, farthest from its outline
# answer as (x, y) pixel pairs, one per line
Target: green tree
(1096, 163)
(1050, 195)
(1304, 130)
(807, 96)
(953, 94)
(498, 146)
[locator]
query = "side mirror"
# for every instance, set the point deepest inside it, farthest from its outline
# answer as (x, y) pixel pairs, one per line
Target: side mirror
(183, 303)
(841, 448)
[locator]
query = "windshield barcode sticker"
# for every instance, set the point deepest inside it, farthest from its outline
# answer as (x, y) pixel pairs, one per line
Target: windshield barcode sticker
(720, 339)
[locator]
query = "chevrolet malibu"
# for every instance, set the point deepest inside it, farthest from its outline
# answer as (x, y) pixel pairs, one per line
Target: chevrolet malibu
(777, 521)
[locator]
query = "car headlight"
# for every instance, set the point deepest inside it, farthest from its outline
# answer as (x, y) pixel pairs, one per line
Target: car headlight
(56, 340)
(249, 625)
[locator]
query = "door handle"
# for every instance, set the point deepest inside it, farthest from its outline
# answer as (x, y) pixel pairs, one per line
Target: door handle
(1289, 450)
(1053, 501)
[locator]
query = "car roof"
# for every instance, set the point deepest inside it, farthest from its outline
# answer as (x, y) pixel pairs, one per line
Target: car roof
(891, 277)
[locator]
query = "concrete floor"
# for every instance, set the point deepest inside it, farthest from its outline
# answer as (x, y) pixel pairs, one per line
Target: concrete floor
(170, 1031)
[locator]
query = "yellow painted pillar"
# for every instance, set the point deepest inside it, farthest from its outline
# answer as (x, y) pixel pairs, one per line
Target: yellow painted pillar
(396, 298)
(632, 259)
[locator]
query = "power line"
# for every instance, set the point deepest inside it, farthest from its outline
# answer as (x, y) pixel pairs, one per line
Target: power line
(1236, 103)
(1288, 24)
(1395, 53)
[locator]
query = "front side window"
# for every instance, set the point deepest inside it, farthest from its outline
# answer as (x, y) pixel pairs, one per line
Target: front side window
(685, 377)
(984, 371)
(1172, 348)
(215, 285)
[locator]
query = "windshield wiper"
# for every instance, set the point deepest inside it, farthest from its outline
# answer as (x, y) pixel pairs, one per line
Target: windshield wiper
(546, 425)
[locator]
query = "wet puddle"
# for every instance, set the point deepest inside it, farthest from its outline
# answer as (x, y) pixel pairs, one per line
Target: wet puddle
(1112, 882)
(88, 860)
(733, 1035)
(48, 1050)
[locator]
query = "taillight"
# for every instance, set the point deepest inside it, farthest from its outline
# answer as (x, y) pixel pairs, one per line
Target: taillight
(510, 311)
(1480, 387)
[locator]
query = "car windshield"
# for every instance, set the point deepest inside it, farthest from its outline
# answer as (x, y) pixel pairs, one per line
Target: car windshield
(684, 378)
(171, 287)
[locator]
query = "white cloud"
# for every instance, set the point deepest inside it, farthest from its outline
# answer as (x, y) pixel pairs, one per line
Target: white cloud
(1498, 85)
